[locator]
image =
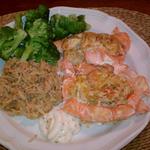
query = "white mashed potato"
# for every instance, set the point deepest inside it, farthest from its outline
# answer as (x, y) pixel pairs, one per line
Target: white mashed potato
(58, 126)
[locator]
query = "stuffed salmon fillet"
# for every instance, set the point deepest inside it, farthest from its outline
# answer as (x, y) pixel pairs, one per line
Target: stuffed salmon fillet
(93, 48)
(104, 93)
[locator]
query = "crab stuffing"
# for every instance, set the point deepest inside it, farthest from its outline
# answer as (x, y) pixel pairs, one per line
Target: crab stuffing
(101, 95)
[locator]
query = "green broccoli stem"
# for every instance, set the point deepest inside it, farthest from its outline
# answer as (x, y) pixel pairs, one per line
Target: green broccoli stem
(19, 38)
(26, 54)
(18, 22)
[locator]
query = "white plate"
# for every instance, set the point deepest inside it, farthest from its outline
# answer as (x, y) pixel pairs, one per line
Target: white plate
(16, 133)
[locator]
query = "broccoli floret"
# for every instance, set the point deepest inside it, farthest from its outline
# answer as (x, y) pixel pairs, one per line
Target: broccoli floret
(31, 15)
(39, 46)
(10, 40)
(62, 26)
(39, 29)
(6, 34)
(52, 55)
(43, 12)
(38, 35)
(36, 51)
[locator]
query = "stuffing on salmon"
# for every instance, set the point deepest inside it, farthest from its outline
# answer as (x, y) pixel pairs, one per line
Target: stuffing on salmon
(99, 94)
(93, 48)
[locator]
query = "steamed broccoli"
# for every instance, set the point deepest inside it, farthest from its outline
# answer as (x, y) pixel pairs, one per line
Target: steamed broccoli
(20, 49)
(32, 38)
(62, 26)
(10, 39)
(39, 46)
(36, 51)
(43, 12)
(31, 15)
(6, 34)
(40, 29)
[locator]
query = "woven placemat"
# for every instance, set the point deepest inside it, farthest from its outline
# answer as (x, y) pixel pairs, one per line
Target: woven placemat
(140, 23)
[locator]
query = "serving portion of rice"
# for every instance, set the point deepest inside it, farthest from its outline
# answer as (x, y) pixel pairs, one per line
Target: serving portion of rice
(29, 88)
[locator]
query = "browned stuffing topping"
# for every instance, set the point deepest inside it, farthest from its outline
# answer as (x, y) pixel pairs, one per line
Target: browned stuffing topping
(101, 87)
(75, 46)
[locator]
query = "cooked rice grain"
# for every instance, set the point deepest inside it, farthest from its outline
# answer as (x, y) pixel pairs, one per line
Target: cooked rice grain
(29, 88)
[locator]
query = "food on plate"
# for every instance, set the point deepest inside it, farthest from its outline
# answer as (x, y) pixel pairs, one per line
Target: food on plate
(31, 45)
(29, 88)
(58, 126)
(104, 93)
(98, 46)
(92, 48)
(41, 12)
(39, 47)
(33, 35)
(61, 26)
(10, 40)
(89, 84)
